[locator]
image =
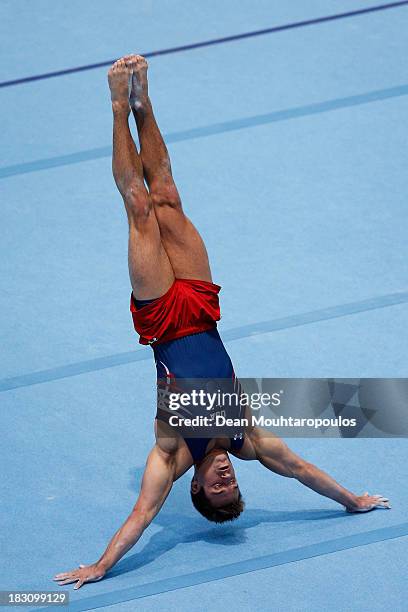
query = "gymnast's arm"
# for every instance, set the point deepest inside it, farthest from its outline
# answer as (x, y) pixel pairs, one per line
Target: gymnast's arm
(274, 454)
(162, 469)
(158, 479)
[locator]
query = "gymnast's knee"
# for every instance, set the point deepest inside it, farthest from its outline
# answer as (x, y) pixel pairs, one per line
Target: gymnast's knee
(138, 204)
(165, 196)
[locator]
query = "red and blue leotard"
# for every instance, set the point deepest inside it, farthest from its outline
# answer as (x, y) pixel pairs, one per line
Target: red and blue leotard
(181, 327)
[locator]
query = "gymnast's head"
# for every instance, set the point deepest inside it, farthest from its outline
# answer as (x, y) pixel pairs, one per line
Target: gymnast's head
(214, 488)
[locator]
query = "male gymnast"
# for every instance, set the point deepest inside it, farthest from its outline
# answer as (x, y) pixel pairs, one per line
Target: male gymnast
(174, 306)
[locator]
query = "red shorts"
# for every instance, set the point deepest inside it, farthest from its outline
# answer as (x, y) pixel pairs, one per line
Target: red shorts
(188, 307)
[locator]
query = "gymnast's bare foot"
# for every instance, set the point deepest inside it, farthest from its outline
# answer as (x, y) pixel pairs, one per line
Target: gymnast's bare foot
(120, 83)
(139, 96)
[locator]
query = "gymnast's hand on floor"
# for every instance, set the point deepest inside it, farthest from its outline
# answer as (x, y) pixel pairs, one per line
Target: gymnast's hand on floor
(366, 502)
(85, 573)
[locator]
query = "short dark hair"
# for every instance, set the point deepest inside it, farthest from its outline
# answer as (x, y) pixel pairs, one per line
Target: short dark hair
(230, 512)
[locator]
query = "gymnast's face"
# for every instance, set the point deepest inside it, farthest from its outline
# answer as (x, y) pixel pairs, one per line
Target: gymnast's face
(216, 475)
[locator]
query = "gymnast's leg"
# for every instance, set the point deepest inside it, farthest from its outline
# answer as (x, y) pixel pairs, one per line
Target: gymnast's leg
(151, 273)
(181, 240)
